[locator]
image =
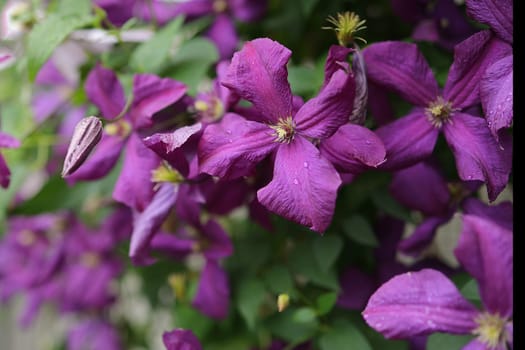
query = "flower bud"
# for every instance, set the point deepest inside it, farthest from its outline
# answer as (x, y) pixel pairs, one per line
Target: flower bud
(283, 300)
(86, 135)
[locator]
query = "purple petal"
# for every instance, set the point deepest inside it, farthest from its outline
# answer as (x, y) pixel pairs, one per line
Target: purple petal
(8, 141)
(104, 90)
(304, 186)
(248, 10)
(353, 148)
(213, 291)
(181, 339)
(356, 288)
(222, 32)
(485, 251)
(118, 12)
(227, 97)
(409, 10)
(501, 214)
(421, 187)
(46, 103)
(407, 140)
(5, 173)
(49, 74)
(151, 94)
(224, 196)
(472, 57)
(336, 55)
(402, 68)
(147, 223)
(134, 187)
(101, 161)
(419, 303)
(232, 147)
(189, 204)
(167, 145)
(379, 104)
(496, 13)
(219, 243)
(171, 245)
(478, 155)
(423, 235)
(426, 30)
(322, 115)
(258, 74)
(496, 90)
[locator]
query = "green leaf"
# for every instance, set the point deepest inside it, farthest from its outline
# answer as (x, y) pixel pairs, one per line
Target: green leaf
(325, 303)
(279, 280)
(192, 61)
(302, 261)
(440, 341)
(305, 80)
(283, 326)
(359, 230)
(151, 55)
(74, 7)
(307, 6)
(326, 250)
(47, 35)
(250, 295)
(304, 315)
(389, 205)
(343, 335)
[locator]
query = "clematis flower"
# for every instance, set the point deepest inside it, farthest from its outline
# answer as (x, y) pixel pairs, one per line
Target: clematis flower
(93, 334)
(181, 339)
(304, 185)
(496, 86)
(424, 302)
(412, 138)
(6, 141)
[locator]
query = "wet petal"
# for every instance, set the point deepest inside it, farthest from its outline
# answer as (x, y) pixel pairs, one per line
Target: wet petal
(502, 213)
(213, 291)
(231, 148)
(478, 155)
(147, 223)
(8, 141)
(104, 89)
(353, 148)
(419, 303)
(472, 57)
(407, 140)
(421, 187)
(485, 251)
(422, 235)
(336, 55)
(220, 244)
(496, 90)
(151, 94)
(5, 173)
(258, 74)
(46, 103)
(181, 339)
(401, 67)
(222, 32)
(248, 10)
(322, 115)
(304, 186)
(134, 187)
(496, 13)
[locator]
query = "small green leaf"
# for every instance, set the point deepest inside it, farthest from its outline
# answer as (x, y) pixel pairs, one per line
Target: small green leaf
(359, 230)
(304, 315)
(389, 205)
(343, 335)
(303, 261)
(326, 250)
(305, 80)
(74, 7)
(325, 303)
(279, 280)
(152, 54)
(283, 326)
(250, 295)
(47, 35)
(440, 341)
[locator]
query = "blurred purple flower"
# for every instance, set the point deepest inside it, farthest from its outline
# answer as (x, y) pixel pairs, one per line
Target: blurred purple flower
(233, 147)
(93, 334)
(424, 302)
(181, 339)
(412, 138)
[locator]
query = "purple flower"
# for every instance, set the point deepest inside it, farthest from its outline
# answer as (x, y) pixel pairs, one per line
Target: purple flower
(496, 86)
(93, 334)
(213, 291)
(181, 339)
(304, 185)
(426, 301)
(6, 141)
(412, 138)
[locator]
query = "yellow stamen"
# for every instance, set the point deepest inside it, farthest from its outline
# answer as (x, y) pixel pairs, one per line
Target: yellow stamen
(165, 173)
(491, 330)
(26, 237)
(345, 26)
(90, 259)
(119, 128)
(439, 112)
(284, 130)
(220, 6)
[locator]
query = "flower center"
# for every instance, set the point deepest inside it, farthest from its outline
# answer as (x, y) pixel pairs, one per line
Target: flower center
(284, 131)
(90, 259)
(120, 128)
(26, 237)
(491, 330)
(345, 26)
(165, 173)
(439, 112)
(209, 107)
(220, 6)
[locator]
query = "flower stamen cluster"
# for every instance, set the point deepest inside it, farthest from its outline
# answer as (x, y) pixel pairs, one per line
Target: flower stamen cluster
(345, 26)
(284, 130)
(491, 330)
(439, 112)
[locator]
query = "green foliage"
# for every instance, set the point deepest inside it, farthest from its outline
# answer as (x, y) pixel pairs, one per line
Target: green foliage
(343, 335)
(250, 295)
(357, 228)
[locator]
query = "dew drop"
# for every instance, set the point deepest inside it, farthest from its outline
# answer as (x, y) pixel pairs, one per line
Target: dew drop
(368, 142)
(230, 140)
(229, 132)
(295, 182)
(305, 164)
(469, 177)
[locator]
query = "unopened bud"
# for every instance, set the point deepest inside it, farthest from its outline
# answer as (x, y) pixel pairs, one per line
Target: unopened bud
(87, 134)
(177, 282)
(283, 300)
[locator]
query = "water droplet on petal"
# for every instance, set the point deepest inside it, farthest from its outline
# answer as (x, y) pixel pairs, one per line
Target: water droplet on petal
(305, 164)
(228, 132)
(469, 177)
(368, 142)
(230, 140)
(295, 182)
